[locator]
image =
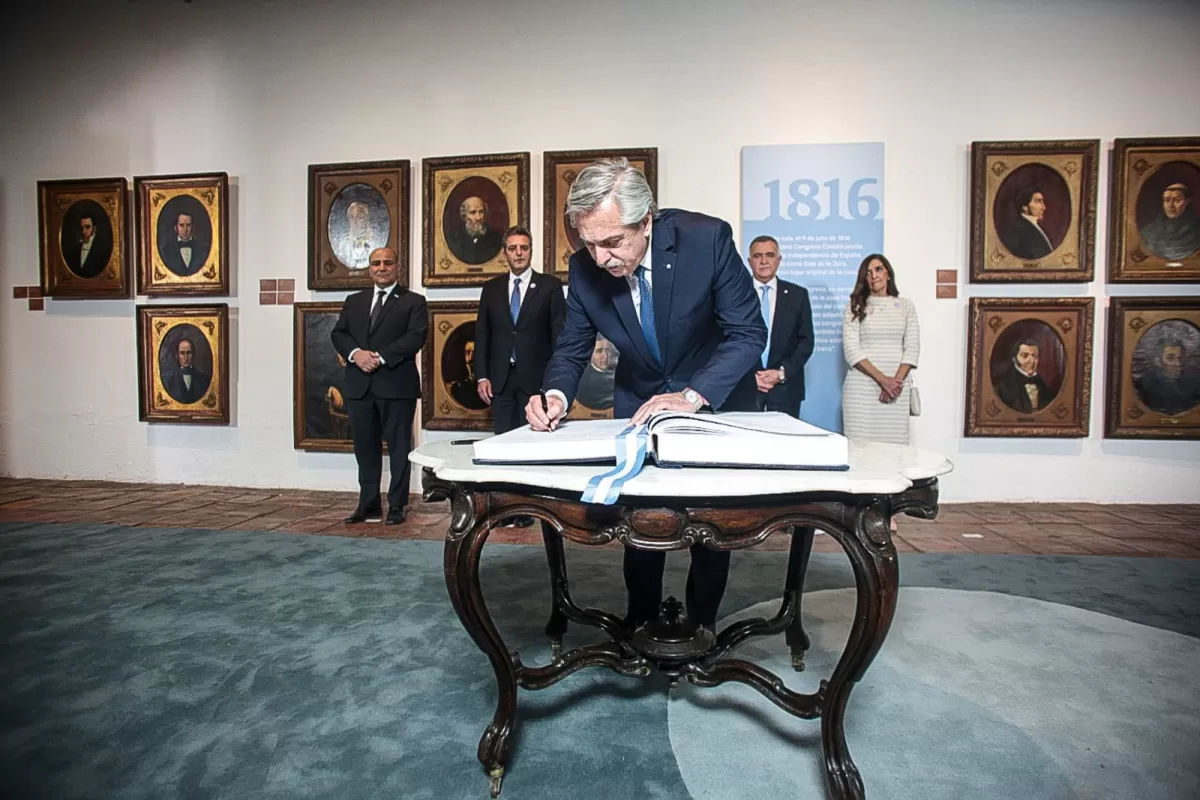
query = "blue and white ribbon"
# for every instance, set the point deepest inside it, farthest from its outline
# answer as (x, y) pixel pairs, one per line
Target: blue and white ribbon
(631, 454)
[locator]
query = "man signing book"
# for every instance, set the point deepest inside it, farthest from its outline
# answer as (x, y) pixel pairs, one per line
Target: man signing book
(669, 290)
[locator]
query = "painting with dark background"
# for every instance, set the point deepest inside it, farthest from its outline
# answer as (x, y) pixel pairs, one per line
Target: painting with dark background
(321, 420)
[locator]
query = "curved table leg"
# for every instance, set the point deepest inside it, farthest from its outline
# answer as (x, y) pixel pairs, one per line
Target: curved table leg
(798, 555)
(876, 577)
(462, 581)
(556, 626)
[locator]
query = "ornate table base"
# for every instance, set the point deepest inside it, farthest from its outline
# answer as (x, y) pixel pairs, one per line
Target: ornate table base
(672, 644)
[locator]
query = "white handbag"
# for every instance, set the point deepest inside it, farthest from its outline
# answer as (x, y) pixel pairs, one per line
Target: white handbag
(914, 401)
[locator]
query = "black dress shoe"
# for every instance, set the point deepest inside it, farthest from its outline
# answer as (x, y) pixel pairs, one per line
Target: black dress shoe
(363, 516)
(397, 517)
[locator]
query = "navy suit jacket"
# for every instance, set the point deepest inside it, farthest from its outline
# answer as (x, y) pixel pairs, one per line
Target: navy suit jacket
(791, 346)
(710, 330)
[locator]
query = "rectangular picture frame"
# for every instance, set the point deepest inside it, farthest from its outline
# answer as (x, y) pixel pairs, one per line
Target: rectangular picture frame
(179, 384)
(1151, 180)
(1153, 379)
(1033, 211)
(83, 238)
(1051, 335)
(173, 210)
(354, 208)
(491, 190)
(321, 418)
(449, 398)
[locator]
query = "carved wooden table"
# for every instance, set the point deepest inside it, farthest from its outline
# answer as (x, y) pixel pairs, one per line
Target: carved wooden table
(672, 509)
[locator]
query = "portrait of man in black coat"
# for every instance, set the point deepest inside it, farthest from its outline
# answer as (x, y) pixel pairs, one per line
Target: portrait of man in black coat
(87, 238)
(1167, 386)
(1024, 237)
(184, 235)
(1019, 386)
(473, 241)
(185, 380)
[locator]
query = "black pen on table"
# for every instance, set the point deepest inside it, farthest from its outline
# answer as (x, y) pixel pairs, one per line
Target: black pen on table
(545, 408)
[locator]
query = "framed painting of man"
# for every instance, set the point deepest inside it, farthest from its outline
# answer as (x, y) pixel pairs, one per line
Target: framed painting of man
(1153, 224)
(1029, 367)
(354, 208)
(1153, 380)
(450, 398)
(559, 168)
(1033, 211)
(594, 399)
(183, 363)
(183, 236)
(321, 419)
(83, 238)
(469, 201)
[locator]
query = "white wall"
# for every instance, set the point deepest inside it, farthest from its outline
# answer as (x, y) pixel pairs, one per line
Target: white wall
(262, 89)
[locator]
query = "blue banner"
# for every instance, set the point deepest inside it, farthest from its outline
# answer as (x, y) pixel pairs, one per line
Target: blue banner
(824, 204)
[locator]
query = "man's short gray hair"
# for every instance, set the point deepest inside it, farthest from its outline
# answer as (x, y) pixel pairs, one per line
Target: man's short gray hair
(615, 178)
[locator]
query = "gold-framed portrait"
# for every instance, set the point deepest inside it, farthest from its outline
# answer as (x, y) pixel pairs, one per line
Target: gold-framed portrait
(1153, 381)
(83, 236)
(469, 201)
(183, 363)
(1153, 223)
(594, 398)
(559, 168)
(182, 232)
(1033, 211)
(450, 398)
(354, 208)
(1029, 366)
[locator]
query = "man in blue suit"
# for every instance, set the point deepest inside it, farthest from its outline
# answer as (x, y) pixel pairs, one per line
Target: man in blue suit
(671, 293)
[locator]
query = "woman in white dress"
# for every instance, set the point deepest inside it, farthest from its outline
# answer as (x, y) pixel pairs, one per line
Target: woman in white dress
(882, 343)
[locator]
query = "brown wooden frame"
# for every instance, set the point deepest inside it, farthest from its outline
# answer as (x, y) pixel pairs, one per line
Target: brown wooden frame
(1126, 415)
(1078, 172)
(1132, 160)
(55, 198)
(556, 248)
(300, 378)
(1067, 415)
(325, 182)
(437, 412)
(150, 194)
(154, 322)
(438, 268)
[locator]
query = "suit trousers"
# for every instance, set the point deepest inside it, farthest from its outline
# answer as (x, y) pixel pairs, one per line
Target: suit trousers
(374, 420)
(508, 406)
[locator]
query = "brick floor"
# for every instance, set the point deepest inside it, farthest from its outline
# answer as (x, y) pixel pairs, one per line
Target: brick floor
(1171, 531)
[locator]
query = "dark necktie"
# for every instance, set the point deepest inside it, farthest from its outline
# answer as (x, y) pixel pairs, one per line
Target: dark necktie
(648, 330)
(378, 308)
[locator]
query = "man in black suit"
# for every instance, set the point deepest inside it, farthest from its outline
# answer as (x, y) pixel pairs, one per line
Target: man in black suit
(87, 257)
(475, 242)
(379, 333)
(184, 255)
(1026, 240)
(520, 317)
(1020, 386)
(186, 383)
(778, 379)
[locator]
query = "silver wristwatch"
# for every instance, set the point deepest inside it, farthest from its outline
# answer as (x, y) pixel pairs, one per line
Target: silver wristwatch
(782, 375)
(692, 397)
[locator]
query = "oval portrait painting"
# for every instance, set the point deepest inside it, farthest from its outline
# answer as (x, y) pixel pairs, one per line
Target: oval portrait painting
(358, 223)
(1166, 211)
(474, 220)
(184, 235)
(1027, 365)
(458, 367)
(1032, 211)
(185, 362)
(1166, 367)
(86, 238)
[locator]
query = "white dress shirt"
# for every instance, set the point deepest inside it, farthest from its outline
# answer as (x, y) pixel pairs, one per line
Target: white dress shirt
(635, 291)
(185, 252)
(387, 292)
(83, 254)
(772, 296)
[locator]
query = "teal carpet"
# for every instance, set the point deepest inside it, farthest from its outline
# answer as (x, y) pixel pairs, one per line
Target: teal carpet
(141, 663)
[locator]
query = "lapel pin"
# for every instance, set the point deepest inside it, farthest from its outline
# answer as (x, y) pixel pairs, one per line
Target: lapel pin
(668, 266)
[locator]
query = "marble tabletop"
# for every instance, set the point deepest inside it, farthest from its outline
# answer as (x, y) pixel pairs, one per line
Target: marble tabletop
(874, 469)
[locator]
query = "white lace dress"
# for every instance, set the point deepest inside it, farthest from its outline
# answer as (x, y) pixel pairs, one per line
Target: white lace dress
(888, 337)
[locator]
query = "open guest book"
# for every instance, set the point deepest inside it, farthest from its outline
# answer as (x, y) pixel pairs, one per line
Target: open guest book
(753, 440)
